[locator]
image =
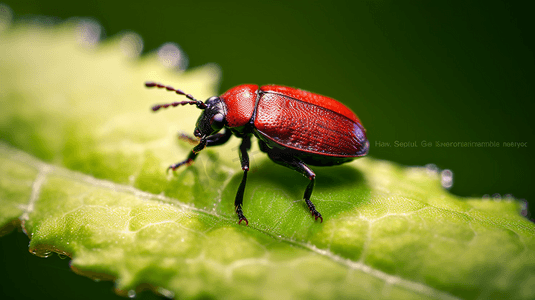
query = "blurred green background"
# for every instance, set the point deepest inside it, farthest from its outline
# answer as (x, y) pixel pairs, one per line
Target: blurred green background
(413, 71)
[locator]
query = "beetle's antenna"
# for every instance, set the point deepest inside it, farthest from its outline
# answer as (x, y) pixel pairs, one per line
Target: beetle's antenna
(199, 104)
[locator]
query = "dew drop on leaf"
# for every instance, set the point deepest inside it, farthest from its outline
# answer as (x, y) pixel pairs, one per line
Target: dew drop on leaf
(166, 293)
(88, 32)
(43, 254)
(172, 57)
(131, 45)
(446, 178)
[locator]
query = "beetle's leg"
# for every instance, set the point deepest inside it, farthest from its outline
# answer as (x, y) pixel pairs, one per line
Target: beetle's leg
(188, 138)
(191, 156)
(244, 159)
(218, 138)
(188, 161)
(213, 140)
(298, 165)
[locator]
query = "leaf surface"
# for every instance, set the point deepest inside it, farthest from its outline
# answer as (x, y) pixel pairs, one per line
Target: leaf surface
(82, 165)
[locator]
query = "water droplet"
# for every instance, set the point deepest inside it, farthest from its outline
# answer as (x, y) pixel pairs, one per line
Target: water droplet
(88, 32)
(166, 293)
(131, 294)
(486, 197)
(496, 197)
(62, 256)
(524, 208)
(6, 16)
(171, 56)
(131, 45)
(446, 178)
(41, 253)
(509, 198)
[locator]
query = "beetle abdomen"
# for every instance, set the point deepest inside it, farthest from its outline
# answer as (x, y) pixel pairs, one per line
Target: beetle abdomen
(304, 126)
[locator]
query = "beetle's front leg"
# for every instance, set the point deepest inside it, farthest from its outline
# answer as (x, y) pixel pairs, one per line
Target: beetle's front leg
(191, 156)
(213, 140)
(187, 162)
(244, 159)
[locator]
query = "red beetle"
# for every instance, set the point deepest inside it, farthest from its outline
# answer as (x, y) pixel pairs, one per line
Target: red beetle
(294, 127)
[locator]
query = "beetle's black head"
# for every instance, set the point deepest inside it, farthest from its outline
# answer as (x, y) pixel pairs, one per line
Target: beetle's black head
(212, 118)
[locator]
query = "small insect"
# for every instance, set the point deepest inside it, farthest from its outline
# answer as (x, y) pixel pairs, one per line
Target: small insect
(295, 128)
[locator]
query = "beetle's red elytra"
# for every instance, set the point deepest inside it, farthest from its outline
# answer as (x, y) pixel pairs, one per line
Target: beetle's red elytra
(295, 128)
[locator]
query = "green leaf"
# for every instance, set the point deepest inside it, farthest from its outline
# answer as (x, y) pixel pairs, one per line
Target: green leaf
(82, 165)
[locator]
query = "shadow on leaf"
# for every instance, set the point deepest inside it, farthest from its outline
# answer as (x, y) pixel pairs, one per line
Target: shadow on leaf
(274, 194)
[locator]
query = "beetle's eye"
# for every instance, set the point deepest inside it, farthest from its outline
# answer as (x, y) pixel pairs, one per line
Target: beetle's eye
(218, 118)
(217, 122)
